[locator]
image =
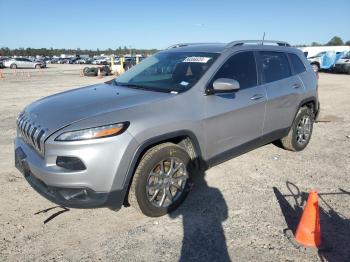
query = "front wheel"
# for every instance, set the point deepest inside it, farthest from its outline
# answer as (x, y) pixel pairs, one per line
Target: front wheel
(13, 66)
(161, 181)
(300, 133)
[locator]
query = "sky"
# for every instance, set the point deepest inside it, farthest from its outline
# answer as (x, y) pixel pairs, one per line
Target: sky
(92, 24)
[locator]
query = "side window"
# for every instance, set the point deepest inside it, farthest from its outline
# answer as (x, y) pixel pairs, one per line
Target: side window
(297, 64)
(240, 67)
(275, 65)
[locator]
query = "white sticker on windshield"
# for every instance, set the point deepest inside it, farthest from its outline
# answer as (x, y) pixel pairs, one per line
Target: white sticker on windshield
(184, 83)
(196, 59)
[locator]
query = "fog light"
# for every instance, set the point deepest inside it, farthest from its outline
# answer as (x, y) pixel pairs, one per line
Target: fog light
(70, 163)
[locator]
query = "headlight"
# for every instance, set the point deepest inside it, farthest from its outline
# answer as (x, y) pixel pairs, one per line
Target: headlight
(94, 132)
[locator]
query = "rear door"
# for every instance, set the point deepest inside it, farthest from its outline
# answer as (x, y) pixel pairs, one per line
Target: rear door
(233, 119)
(28, 63)
(283, 91)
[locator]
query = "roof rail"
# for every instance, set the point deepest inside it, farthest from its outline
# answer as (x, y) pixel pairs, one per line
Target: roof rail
(257, 42)
(186, 44)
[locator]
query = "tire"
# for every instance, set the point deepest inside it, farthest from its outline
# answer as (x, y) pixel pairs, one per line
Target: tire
(37, 66)
(315, 67)
(348, 70)
(13, 66)
(148, 179)
(300, 133)
(90, 71)
(86, 69)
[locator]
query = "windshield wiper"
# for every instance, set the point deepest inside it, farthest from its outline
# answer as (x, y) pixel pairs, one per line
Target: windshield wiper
(130, 85)
(136, 86)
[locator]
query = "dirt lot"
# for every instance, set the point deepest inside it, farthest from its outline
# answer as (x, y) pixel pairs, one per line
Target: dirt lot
(236, 212)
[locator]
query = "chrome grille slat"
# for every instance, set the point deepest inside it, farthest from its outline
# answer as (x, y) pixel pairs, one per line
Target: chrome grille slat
(31, 133)
(35, 136)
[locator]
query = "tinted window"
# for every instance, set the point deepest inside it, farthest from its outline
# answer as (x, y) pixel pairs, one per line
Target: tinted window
(275, 66)
(298, 66)
(240, 67)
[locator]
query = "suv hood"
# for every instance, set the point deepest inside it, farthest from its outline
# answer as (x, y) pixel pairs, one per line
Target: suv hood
(57, 111)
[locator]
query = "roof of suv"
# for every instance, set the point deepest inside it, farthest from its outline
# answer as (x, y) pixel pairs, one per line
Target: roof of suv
(220, 47)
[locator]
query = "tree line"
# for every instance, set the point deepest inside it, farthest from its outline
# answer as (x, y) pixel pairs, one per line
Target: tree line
(5, 51)
(335, 41)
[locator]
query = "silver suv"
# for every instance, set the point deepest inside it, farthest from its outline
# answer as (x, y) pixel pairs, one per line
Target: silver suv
(139, 139)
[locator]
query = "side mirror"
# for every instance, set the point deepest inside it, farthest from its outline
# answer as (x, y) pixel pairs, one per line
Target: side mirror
(225, 85)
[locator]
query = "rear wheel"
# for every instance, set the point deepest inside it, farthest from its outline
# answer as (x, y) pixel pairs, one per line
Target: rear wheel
(300, 133)
(37, 66)
(161, 181)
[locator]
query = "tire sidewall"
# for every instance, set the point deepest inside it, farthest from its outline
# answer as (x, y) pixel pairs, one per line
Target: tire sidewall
(140, 189)
(301, 113)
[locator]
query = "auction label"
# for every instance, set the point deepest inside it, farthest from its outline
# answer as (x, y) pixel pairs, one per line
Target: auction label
(196, 59)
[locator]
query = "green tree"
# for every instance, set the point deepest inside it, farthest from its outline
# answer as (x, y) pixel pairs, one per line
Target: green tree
(347, 42)
(315, 44)
(336, 41)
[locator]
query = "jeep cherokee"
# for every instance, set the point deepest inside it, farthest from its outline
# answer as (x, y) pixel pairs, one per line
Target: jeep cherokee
(138, 139)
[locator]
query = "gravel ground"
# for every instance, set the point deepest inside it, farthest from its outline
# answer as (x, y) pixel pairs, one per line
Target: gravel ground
(240, 210)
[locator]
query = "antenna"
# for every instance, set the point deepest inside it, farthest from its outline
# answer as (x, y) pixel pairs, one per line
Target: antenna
(262, 43)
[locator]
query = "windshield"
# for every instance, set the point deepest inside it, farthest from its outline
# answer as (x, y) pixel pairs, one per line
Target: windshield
(168, 71)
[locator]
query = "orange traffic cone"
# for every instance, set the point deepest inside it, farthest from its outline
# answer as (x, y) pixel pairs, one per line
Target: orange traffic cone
(1, 75)
(99, 73)
(309, 230)
(14, 72)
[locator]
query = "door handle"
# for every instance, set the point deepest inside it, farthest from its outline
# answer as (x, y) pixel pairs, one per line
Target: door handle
(296, 85)
(257, 97)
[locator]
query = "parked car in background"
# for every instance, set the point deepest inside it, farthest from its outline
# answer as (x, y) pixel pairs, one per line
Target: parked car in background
(54, 60)
(343, 64)
(325, 60)
(20, 62)
(2, 60)
(315, 55)
(80, 61)
(83, 61)
(139, 139)
(100, 61)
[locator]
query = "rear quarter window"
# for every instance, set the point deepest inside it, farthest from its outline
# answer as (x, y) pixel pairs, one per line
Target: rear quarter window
(298, 65)
(275, 66)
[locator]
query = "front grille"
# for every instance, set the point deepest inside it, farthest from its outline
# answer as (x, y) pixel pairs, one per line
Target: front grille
(32, 134)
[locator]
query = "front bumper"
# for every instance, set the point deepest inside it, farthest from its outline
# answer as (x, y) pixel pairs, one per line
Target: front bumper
(69, 197)
(101, 184)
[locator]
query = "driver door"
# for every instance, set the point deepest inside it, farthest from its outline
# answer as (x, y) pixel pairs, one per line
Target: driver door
(236, 118)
